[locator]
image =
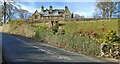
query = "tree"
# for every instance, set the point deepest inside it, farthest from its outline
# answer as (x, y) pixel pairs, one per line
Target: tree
(23, 14)
(0, 12)
(72, 16)
(9, 10)
(117, 12)
(4, 13)
(96, 14)
(106, 8)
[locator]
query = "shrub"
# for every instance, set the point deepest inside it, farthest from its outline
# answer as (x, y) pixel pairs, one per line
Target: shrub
(110, 45)
(1, 23)
(18, 22)
(61, 31)
(110, 37)
(55, 29)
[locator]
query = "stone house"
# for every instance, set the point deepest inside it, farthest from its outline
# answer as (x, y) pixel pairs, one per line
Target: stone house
(51, 13)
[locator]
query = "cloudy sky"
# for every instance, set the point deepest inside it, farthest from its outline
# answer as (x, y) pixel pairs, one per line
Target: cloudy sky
(81, 8)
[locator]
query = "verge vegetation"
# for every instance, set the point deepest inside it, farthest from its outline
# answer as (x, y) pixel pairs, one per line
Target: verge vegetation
(81, 37)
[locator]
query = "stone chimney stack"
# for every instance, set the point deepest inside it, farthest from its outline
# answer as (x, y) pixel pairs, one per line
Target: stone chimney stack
(66, 8)
(42, 8)
(50, 8)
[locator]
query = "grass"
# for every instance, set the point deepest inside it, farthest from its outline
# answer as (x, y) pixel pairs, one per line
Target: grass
(95, 26)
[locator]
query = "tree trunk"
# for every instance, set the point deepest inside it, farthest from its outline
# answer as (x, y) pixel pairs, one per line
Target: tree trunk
(4, 12)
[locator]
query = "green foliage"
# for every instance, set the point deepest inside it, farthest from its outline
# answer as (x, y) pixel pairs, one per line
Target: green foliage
(21, 29)
(18, 22)
(55, 29)
(100, 26)
(110, 37)
(111, 45)
(68, 41)
(1, 23)
(61, 31)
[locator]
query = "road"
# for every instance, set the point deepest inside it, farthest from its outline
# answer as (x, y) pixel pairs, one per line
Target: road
(19, 49)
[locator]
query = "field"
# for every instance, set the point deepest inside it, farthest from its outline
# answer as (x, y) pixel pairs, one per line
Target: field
(97, 26)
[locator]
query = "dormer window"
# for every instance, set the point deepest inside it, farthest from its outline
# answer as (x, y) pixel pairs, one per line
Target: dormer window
(56, 12)
(46, 12)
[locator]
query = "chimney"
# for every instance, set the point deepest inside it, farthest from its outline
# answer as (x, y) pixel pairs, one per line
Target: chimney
(66, 8)
(50, 8)
(42, 8)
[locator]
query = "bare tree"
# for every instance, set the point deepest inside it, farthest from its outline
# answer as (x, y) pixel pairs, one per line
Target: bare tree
(9, 9)
(4, 12)
(0, 12)
(106, 8)
(96, 14)
(117, 13)
(23, 14)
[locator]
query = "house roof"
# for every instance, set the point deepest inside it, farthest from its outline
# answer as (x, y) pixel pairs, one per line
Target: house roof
(35, 12)
(59, 11)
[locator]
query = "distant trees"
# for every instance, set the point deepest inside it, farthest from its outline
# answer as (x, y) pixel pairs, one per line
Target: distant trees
(12, 10)
(82, 16)
(78, 16)
(23, 14)
(106, 8)
(8, 10)
(96, 14)
(117, 13)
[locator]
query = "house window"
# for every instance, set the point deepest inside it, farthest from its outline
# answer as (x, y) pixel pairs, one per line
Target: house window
(66, 16)
(56, 12)
(46, 13)
(36, 16)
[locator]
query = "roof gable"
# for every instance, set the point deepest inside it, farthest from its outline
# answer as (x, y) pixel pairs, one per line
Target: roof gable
(36, 12)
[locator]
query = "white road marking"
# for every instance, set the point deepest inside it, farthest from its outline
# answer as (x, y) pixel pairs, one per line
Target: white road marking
(60, 49)
(35, 47)
(42, 50)
(63, 57)
(47, 51)
(22, 41)
(26, 43)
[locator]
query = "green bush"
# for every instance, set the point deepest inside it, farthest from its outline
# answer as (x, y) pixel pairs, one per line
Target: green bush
(18, 22)
(110, 37)
(55, 29)
(22, 30)
(61, 31)
(68, 41)
(1, 23)
(110, 45)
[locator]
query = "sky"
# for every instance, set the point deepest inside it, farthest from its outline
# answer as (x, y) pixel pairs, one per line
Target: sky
(82, 8)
